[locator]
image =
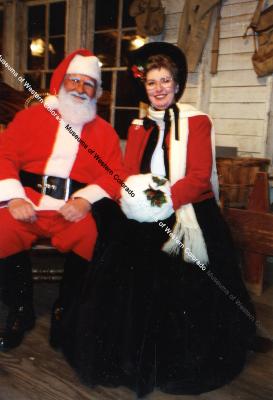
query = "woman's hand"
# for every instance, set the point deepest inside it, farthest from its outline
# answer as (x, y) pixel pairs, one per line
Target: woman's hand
(22, 210)
(75, 209)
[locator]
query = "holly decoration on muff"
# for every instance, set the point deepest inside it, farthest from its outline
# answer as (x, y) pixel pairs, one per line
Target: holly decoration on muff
(156, 196)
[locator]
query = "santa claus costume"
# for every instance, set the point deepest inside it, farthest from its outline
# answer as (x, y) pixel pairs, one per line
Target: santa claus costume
(48, 157)
(158, 309)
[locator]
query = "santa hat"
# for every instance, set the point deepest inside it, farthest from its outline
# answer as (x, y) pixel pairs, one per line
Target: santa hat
(86, 66)
(81, 61)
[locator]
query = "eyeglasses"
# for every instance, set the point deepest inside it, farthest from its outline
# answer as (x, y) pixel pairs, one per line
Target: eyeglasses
(75, 82)
(166, 83)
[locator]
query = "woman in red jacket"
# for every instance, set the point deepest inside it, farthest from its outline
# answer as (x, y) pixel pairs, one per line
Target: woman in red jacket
(164, 305)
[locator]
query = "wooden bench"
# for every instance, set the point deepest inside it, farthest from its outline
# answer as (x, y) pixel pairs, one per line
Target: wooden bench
(47, 262)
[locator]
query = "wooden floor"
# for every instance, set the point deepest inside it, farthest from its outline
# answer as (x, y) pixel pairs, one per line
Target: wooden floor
(35, 372)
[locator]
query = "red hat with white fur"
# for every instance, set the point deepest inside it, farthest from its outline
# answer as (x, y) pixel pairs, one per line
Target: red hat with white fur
(81, 61)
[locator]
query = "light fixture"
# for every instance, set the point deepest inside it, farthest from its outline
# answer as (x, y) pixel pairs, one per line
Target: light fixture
(137, 42)
(37, 47)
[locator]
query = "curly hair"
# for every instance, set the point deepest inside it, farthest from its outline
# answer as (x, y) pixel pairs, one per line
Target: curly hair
(159, 61)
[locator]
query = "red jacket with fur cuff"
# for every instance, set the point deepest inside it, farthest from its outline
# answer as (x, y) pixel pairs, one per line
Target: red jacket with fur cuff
(195, 186)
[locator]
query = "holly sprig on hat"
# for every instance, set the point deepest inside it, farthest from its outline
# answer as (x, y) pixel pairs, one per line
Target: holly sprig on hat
(138, 71)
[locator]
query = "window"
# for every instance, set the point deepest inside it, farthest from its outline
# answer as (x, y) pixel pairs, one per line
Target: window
(46, 21)
(114, 36)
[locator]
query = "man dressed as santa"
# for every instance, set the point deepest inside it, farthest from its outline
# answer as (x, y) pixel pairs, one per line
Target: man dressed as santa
(56, 160)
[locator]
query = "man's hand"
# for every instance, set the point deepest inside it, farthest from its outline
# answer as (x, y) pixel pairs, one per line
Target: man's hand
(22, 210)
(75, 209)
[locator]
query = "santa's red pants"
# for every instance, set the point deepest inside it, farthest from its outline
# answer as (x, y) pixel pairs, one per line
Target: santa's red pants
(16, 236)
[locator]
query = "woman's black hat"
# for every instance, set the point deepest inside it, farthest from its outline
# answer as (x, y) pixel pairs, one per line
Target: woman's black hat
(137, 60)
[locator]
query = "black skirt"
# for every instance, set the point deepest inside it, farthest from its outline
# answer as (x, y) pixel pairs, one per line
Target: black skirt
(148, 320)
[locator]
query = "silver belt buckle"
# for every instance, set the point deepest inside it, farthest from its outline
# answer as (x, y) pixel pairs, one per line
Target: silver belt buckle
(44, 185)
(67, 189)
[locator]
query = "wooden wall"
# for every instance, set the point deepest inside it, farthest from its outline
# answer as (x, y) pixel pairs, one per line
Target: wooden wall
(239, 102)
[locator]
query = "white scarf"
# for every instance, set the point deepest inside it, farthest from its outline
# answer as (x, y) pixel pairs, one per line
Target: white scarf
(186, 227)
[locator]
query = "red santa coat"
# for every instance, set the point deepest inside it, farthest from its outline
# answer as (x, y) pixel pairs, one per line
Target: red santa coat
(37, 142)
(30, 143)
(196, 185)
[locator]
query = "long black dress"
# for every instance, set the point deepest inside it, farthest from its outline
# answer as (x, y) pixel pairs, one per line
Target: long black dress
(148, 320)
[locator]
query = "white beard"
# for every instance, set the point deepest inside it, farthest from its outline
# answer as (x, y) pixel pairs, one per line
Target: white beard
(73, 112)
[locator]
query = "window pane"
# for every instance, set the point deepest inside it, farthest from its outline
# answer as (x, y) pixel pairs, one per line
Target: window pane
(126, 95)
(105, 45)
(104, 101)
(36, 21)
(57, 18)
(106, 16)
(36, 51)
(34, 80)
(122, 121)
(48, 78)
(106, 77)
(126, 46)
(127, 20)
(55, 51)
(103, 111)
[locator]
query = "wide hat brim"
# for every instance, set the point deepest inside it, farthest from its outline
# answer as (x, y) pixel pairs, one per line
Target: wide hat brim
(138, 58)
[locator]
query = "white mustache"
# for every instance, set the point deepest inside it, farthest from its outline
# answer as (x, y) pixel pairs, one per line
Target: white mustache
(81, 95)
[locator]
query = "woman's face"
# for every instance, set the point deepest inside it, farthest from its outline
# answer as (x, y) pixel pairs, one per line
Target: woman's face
(160, 88)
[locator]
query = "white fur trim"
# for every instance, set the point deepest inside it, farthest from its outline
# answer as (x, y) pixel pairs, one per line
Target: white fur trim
(51, 102)
(48, 203)
(11, 189)
(85, 65)
(64, 152)
(91, 193)
(137, 122)
(139, 207)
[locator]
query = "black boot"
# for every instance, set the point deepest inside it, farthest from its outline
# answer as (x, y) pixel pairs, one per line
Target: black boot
(21, 317)
(75, 268)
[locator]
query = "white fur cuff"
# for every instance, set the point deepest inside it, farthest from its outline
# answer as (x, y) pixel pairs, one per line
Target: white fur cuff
(91, 193)
(11, 189)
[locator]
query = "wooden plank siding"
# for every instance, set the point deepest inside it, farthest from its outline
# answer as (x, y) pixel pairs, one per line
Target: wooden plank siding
(235, 97)
(241, 112)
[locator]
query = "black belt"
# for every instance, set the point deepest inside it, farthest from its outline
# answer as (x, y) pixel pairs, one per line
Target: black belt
(59, 188)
